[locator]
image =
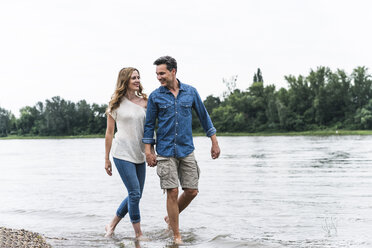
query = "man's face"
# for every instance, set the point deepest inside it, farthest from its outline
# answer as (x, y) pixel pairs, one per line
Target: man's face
(165, 77)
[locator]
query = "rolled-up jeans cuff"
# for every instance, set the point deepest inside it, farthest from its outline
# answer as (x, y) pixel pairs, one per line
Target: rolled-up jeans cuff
(119, 215)
(135, 221)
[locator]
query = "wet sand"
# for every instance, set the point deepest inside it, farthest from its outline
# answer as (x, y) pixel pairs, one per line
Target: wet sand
(10, 238)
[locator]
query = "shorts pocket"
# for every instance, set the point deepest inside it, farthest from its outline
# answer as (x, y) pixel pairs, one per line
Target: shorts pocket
(198, 169)
(163, 167)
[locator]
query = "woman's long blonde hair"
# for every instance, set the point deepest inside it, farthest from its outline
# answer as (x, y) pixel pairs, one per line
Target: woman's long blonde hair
(122, 88)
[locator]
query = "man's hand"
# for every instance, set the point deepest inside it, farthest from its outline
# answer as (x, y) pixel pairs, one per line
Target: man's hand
(150, 155)
(151, 159)
(215, 150)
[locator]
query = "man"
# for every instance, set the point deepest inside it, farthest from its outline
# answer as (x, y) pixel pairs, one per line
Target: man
(171, 104)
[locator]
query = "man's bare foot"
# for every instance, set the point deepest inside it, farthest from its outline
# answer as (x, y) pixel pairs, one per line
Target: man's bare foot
(142, 238)
(166, 219)
(178, 241)
(109, 231)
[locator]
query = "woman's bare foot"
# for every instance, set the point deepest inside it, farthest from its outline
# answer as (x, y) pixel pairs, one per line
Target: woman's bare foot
(111, 227)
(109, 231)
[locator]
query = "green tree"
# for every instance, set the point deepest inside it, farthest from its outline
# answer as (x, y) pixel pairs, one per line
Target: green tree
(257, 77)
(83, 118)
(58, 116)
(363, 116)
(362, 87)
(26, 121)
(271, 109)
(338, 99)
(211, 103)
(5, 122)
(98, 125)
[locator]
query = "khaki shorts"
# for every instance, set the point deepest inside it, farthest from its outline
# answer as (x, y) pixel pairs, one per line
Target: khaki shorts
(174, 170)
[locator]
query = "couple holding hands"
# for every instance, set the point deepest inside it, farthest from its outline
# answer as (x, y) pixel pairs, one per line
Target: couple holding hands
(135, 116)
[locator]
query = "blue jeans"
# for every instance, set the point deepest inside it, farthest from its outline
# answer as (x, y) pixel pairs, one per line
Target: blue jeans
(133, 176)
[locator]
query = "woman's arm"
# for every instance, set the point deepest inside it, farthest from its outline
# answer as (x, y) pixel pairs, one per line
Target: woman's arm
(110, 129)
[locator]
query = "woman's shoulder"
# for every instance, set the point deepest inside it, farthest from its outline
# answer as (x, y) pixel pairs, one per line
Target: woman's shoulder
(143, 102)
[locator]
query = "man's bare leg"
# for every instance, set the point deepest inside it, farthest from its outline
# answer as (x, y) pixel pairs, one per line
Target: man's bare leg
(186, 197)
(173, 213)
(183, 201)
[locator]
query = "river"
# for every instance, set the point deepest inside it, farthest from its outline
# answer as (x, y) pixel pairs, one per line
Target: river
(301, 191)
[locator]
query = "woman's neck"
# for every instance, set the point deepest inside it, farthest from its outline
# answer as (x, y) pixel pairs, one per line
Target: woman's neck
(131, 94)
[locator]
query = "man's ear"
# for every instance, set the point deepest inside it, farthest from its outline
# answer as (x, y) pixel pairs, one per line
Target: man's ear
(174, 71)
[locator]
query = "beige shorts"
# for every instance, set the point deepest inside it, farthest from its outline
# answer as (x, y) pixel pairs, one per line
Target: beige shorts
(174, 170)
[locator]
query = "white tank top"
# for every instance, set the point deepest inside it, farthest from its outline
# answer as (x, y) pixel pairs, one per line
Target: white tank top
(130, 121)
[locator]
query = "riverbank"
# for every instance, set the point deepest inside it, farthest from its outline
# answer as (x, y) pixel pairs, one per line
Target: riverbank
(304, 133)
(89, 136)
(10, 238)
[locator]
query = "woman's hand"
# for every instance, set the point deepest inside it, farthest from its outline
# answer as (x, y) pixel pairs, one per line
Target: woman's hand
(151, 159)
(108, 167)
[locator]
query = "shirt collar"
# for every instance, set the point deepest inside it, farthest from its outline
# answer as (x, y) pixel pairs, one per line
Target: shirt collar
(164, 89)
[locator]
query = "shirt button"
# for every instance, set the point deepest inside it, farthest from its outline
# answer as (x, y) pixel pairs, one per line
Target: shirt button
(176, 134)
(176, 112)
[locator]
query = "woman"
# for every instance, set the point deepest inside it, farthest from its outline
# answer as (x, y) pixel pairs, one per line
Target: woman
(128, 109)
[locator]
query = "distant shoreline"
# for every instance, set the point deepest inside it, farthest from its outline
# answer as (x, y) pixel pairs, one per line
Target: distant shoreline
(304, 133)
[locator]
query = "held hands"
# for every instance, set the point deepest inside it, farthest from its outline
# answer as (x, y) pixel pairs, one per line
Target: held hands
(108, 167)
(151, 159)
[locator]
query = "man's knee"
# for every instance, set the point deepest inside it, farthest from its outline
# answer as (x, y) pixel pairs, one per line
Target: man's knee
(172, 193)
(191, 192)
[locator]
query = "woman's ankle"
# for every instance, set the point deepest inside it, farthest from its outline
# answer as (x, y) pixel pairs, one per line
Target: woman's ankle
(109, 230)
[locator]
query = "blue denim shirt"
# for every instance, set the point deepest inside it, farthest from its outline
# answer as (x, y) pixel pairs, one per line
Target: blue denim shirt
(174, 133)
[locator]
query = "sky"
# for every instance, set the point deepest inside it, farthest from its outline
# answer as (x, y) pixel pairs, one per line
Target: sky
(75, 48)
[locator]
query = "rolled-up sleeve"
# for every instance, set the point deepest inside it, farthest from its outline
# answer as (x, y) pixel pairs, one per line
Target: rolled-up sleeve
(151, 115)
(203, 115)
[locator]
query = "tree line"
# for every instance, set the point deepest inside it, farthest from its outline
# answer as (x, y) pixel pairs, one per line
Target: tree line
(323, 99)
(55, 117)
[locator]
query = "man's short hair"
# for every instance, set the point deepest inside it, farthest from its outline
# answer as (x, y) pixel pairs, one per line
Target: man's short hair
(170, 62)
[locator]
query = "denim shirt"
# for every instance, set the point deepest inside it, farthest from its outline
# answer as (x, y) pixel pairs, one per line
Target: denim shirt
(174, 114)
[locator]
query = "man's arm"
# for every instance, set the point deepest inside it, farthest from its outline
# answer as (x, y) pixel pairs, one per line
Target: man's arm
(215, 150)
(148, 136)
(207, 124)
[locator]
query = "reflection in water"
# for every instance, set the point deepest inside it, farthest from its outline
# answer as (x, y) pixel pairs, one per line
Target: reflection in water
(262, 192)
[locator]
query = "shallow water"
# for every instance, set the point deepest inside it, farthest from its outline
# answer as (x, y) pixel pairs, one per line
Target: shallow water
(261, 192)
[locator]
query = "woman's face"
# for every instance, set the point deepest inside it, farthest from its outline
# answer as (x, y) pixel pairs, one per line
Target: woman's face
(134, 81)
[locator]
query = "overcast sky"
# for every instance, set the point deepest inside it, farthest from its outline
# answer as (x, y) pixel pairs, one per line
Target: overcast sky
(75, 49)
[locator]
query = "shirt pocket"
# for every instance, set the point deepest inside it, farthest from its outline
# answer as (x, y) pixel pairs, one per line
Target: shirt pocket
(185, 109)
(165, 109)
